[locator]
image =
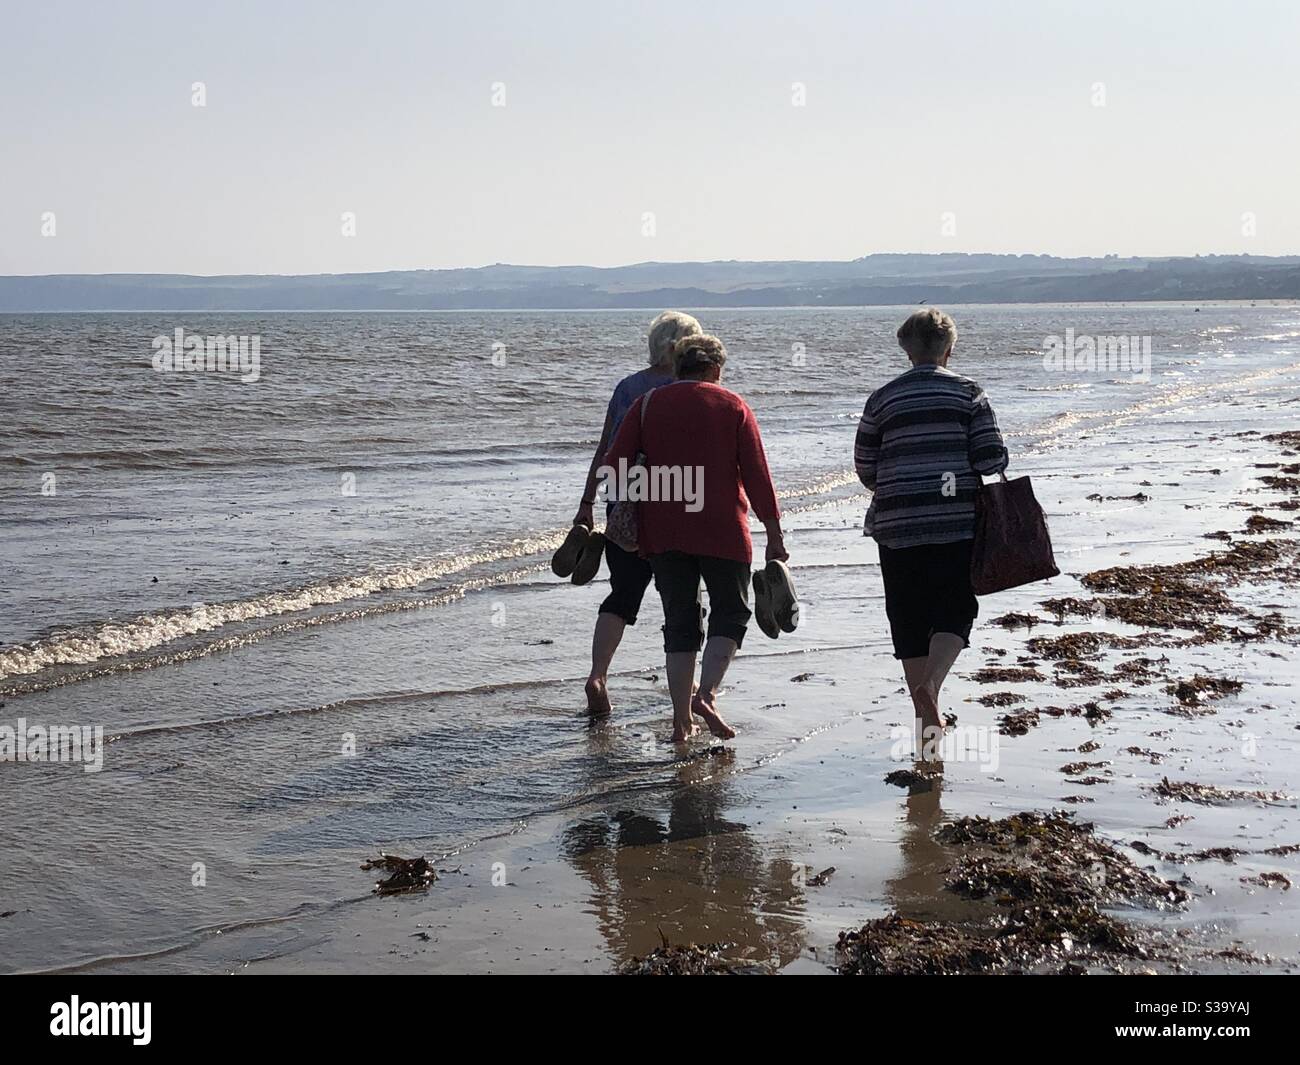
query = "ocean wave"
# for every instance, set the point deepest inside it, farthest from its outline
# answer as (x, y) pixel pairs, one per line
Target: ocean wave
(113, 639)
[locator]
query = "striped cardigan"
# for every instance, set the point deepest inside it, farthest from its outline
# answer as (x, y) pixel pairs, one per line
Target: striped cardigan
(923, 442)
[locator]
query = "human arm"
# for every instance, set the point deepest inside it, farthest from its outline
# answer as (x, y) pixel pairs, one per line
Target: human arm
(756, 479)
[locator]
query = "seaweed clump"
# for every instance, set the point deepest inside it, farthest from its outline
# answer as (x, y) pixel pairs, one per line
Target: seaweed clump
(1211, 794)
(1199, 689)
(405, 874)
(693, 959)
(1006, 674)
(1048, 875)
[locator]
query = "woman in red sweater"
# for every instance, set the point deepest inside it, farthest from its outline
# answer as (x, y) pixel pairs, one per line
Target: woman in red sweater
(704, 467)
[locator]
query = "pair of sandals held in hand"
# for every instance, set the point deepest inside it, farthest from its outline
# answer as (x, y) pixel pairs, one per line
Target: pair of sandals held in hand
(776, 606)
(579, 556)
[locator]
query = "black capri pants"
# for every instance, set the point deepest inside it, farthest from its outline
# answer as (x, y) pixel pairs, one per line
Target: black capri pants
(629, 577)
(927, 590)
(678, 576)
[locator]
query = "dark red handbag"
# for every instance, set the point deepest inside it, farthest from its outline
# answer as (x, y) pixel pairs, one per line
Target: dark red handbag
(1012, 546)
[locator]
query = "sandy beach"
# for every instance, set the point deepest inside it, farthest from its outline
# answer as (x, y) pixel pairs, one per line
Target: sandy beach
(1166, 719)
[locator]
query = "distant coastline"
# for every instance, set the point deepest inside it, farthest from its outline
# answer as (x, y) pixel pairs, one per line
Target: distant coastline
(873, 280)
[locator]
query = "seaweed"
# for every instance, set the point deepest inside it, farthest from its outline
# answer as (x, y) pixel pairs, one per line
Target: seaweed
(916, 780)
(1261, 523)
(1049, 874)
(689, 960)
(1018, 621)
(1073, 646)
(1006, 674)
(1000, 699)
(405, 874)
(1200, 688)
(1269, 880)
(1073, 769)
(1018, 723)
(1212, 795)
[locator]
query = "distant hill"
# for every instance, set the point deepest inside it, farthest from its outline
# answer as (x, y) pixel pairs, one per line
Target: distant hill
(870, 280)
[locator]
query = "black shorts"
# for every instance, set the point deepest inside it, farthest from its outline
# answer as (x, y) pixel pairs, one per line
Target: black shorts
(678, 576)
(629, 577)
(927, 590)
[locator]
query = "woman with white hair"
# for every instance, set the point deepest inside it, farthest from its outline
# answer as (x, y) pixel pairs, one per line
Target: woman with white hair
(629, 575)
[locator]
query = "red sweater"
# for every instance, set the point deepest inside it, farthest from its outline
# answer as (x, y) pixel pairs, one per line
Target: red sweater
(711, 430)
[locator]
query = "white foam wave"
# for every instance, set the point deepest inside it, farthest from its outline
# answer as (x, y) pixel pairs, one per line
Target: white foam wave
(113, 639)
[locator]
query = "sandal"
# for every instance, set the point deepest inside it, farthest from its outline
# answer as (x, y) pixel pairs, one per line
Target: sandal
(589, 561)
(563, 561)
(776, 607)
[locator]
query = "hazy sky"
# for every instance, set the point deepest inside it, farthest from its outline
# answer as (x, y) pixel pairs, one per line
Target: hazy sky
(686, 111)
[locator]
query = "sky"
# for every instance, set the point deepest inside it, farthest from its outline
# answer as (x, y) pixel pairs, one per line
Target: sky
(395, 134)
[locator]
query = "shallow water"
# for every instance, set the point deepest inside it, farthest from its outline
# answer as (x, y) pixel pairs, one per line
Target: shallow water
(418, 622)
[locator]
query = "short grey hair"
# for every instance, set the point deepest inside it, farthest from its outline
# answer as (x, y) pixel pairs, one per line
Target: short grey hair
(666, 331)
(694, 353)
(927, 334)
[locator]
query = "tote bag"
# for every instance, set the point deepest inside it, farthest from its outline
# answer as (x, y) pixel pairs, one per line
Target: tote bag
(621, 527)
(1012, 546)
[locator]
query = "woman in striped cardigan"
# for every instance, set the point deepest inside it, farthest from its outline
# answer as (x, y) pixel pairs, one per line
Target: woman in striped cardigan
(925, 440)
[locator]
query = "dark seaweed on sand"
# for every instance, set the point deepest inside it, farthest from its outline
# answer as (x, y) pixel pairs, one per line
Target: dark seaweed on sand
(1199, 688)
(405, 874)
(1049, 875)
(1000, 699)
(1005, 674)
(1018, 621)
(690, 960)
(1269, 880)
(1190, 595)
(1018, 723)
(1212, 795)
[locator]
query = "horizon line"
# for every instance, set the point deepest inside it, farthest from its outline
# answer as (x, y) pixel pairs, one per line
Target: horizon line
(1110, 256)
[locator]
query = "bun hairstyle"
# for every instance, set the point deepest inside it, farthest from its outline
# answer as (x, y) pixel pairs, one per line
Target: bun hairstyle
(695, 353)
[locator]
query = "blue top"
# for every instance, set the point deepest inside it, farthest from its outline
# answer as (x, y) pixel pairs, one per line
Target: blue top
(629, 390)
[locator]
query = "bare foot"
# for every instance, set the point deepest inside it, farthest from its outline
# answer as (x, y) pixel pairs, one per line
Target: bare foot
(683, 731)
(704, 706)
(597, 697)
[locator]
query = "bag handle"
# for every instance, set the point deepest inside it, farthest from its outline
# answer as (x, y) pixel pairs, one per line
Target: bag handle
(645, 403)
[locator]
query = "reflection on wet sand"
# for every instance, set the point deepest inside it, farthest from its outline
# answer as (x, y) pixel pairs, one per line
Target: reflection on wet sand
(687, 873)
(917, 892)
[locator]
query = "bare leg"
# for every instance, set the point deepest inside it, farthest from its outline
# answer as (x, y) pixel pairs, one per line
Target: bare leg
(680, 667)
(604, 642)
(718, 653)
(944, 649)
(925, 710)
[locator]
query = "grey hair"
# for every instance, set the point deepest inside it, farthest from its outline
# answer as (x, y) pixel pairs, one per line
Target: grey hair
(693, 353)
(666, 331)
(927, 334)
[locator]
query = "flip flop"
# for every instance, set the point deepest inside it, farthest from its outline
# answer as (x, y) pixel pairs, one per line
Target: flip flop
(563, 561)
(589, 561)
(776, 607)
